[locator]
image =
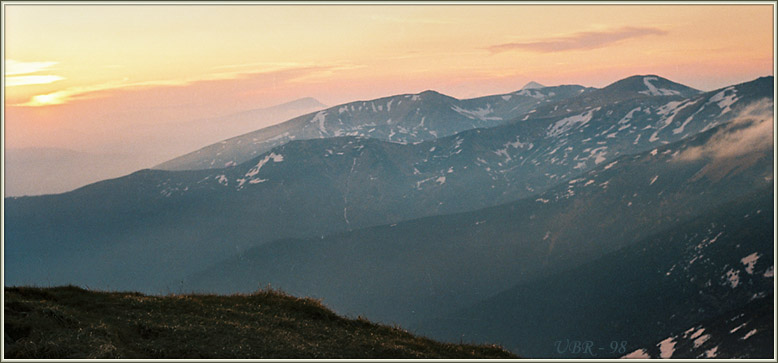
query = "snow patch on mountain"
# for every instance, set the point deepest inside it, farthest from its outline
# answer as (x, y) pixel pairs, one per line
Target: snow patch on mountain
(733, 277)
(669, 110)
(750, 261)
(666, 348)
(749, 334)
(568, 123)
(277, 158)
(737, 328)
(712, 353)
(515, 144)
(638, 354)
(480, 113)
(319, 118)
(531, 93)
(653, 91)
(680, 129)
(628, 116)
(701, 340)
(279, 137)
(724, 100)
(600, 157)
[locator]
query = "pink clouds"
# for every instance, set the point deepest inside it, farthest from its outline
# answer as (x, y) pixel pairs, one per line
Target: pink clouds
(579, 41)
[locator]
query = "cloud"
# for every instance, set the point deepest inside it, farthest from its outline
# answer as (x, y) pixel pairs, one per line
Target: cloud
(25, 80)
(751, 130)
(303, 72)
(17, 73)
(65, 95)
(579, 41)
(13, 67)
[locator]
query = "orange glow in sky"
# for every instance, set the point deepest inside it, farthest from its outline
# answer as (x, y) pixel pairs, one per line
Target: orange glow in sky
(83, 76)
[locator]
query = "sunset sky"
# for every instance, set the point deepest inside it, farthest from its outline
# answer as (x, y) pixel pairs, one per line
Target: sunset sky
(100, 78)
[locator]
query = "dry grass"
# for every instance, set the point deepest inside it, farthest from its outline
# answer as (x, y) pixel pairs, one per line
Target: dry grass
(69, 322)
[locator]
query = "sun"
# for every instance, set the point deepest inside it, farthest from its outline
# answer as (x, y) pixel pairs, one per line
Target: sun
(46, 100)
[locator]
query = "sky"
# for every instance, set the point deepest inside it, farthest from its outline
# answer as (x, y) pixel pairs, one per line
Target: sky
(123, 78)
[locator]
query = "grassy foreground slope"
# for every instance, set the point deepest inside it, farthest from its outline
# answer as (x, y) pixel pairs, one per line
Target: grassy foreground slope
(70, 322)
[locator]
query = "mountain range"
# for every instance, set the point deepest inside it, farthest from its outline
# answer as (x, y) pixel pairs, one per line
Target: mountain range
(403, 119)
(523, 219)
(406, 272)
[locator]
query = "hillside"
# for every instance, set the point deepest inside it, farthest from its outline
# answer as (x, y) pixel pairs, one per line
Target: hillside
(690, 275)
(70, 322)
(744, 333)
(411, 270)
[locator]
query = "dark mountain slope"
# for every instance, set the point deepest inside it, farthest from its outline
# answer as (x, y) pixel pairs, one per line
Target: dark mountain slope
(744, 333)
(405, 272)
(640, 294)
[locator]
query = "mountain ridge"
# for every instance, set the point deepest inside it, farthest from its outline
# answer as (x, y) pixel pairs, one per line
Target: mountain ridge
(435, 108)
(423, 116)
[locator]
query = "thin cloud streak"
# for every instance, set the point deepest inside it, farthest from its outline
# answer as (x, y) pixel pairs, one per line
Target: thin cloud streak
(579, 41)
(81, 92)
(18, 73)
(14, 67)
(27, 80)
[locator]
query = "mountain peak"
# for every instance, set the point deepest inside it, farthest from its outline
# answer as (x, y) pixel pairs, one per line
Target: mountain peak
(430, 92)
(650, 85)
(532, 85)
(304, 102)
(430, 95)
